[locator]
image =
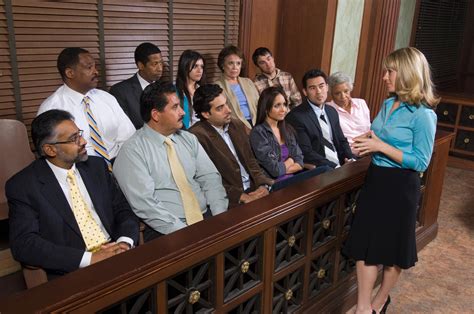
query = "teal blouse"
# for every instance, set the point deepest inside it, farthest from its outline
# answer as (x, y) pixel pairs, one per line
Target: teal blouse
(187, 113)
(410, 129)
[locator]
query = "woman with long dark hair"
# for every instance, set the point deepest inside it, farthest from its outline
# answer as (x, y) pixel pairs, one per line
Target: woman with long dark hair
(273, 141)
(401, 143)
(190, 75)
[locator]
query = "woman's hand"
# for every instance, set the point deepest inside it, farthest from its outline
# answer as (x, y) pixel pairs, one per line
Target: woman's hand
(367, 143)
(288, 163)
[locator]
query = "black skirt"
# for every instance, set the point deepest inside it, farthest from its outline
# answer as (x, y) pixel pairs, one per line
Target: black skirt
(383, 230)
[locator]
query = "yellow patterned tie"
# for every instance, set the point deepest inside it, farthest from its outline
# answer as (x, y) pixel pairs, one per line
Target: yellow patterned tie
(95, 136)
(192, 210)
(90, 230)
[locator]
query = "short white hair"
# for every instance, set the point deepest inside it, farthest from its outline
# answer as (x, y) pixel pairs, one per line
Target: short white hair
(340, 78)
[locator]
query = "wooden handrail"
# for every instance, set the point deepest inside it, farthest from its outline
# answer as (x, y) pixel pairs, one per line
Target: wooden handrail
(457, 98)
(150, 266)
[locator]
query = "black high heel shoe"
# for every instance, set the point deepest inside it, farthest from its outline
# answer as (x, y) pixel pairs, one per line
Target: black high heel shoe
(384, 308)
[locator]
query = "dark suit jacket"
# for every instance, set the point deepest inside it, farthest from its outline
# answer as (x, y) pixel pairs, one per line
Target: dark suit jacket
(309, 135)
(128, 94)
(225, 161)
(43, 230)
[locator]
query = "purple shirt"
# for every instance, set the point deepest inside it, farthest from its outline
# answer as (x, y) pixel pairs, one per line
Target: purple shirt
(284, 156)
(244, 105)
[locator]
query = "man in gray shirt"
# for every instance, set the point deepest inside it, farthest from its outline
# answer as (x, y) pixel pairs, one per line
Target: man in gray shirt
(146, 168)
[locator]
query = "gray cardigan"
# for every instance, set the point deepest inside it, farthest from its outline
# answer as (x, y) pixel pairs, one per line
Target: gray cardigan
(268, 152)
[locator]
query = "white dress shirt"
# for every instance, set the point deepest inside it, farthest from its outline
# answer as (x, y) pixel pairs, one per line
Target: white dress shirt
(114, 125)
(143, 83)
(61, 176)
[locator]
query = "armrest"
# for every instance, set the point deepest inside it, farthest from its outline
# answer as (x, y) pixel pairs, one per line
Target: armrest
(34, 276)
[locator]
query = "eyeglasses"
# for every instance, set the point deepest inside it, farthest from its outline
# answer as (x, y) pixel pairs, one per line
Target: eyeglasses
(76, 138)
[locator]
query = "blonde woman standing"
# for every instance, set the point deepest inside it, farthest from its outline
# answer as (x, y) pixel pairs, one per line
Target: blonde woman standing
(401, 144)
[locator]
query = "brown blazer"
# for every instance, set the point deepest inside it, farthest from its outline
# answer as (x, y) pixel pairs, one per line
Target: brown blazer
(224, 160)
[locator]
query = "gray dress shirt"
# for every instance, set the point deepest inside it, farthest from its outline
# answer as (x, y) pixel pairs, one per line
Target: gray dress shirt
(144, 175)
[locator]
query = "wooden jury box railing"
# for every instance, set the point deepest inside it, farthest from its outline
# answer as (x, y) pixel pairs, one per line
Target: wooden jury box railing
(278, 254)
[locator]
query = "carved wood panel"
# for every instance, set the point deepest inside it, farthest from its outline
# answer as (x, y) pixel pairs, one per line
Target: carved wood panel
(290, 241)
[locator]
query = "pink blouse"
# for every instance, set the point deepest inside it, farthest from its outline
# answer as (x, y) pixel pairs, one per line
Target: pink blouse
(356, 122)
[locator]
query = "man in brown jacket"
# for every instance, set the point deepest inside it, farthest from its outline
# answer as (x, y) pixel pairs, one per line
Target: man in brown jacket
(226, 142)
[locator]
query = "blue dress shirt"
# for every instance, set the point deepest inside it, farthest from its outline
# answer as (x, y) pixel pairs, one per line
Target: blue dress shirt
(244, 105)
(410, 129)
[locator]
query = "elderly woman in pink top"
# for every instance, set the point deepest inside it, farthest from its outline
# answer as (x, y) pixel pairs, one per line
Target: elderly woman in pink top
(354, 115)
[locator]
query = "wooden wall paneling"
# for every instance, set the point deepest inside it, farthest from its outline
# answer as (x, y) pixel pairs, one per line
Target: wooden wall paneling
(245, 30)
(263, 27)
(268, 255)
(305, 36)
(7, 97)
(199, 25)
(366, 42)
(128, 24)
(379, 26)
(42, 30)
(328, 36)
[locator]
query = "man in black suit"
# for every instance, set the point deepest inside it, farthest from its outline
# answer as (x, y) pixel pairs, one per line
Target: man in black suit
(66, 211)
(150, 68)
(318, 131)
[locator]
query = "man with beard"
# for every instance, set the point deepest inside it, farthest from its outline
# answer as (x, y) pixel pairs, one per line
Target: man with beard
(95, 111)
(226, 142)
(317, 127)
(66, 212)
(164, 172)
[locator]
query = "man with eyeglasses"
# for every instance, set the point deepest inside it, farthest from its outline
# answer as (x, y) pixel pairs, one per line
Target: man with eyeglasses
(66, 211)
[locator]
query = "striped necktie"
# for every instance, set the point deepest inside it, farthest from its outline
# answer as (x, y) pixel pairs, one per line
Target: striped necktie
(96, 138)
(329, 149)
(192, 210)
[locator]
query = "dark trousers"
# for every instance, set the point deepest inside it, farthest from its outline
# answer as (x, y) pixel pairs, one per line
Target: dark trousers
(150, 233)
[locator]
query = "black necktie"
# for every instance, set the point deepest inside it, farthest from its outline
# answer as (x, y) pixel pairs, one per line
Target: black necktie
(323, 118)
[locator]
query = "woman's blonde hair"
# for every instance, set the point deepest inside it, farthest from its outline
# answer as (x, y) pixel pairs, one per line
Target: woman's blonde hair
(413, 83)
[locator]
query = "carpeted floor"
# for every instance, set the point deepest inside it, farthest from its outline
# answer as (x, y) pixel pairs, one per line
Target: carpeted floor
(443, 279)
